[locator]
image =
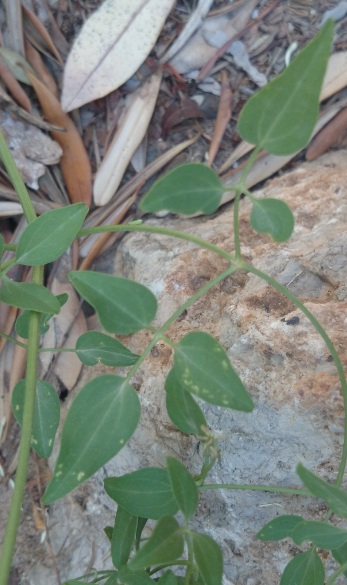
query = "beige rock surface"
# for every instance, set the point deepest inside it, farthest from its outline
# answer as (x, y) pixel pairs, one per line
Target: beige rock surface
(284, 363)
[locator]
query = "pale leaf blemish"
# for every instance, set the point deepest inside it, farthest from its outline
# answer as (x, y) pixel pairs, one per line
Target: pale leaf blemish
(80, 475)
(58, 473)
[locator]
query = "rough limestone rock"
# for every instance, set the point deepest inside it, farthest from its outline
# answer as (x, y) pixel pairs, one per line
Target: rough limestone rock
(280, 357)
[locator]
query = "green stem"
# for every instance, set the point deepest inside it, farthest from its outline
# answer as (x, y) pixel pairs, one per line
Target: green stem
(162, 231)
(13, 340)
(318, 327)
(336, 574)
(25, 442)
(10, 247)
(160, 333)
(166, 565)
(255, 488)
(6, 266)
(13, 519)
(237, 242)
(17, 181)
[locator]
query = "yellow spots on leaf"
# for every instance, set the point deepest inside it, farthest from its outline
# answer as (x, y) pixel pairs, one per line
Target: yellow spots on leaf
(80, 475)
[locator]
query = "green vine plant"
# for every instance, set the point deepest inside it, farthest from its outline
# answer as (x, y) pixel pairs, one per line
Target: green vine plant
(104, 415)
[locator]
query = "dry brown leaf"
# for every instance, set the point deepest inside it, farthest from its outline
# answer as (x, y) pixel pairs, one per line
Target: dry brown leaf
(139, 108)
(74, 163)
(13, 86)
(336, 75)
(35, 60)
(39, 35)
(97, 243)
(65, 328)
(100, 215)
(328, 136)
(111, 46)
(177, 113)
(195, 20)
(223, 117)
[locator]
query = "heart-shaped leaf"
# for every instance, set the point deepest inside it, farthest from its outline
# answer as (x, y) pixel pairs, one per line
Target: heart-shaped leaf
(187, 189)
(184, 412)
(335, 497)
(123, 536)
(94, 347)
(47, 237)
(208, 558)
(280, 527)
(123, 306)
(101, 420)
(281, 117)
(272, 216)
(28, 295)
(165, 545)
(319, 533)
(22, 322)
(304, 569)
(146, 493)
(46, 415)
(202, 367)
(183, 487)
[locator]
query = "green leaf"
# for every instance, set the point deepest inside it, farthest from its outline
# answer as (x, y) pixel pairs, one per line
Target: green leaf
(202, 366)
(208, 557)
(280, 527)
(319, 533)
(123, 536)
(28, 295)
(101, 420)
(335, 497)
(46, 415)
(141, 523)
(169, 578)
(183, 487)
(181, 407)
(146, 492)
(46, 238)
(94, 347)
(112, 580)
(22, 322)
(123, 306)
(340, 555)
(304, 569)
(108, 530)
(127, 577)
(165, 545)
(187, 189)
(271, 216)
(281, 117)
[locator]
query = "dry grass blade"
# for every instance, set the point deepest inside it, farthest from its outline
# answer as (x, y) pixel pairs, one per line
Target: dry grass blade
(223, 117)
(13, 86)
(15, 25)
(133, 126)
(74, 163)
(38, 34)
